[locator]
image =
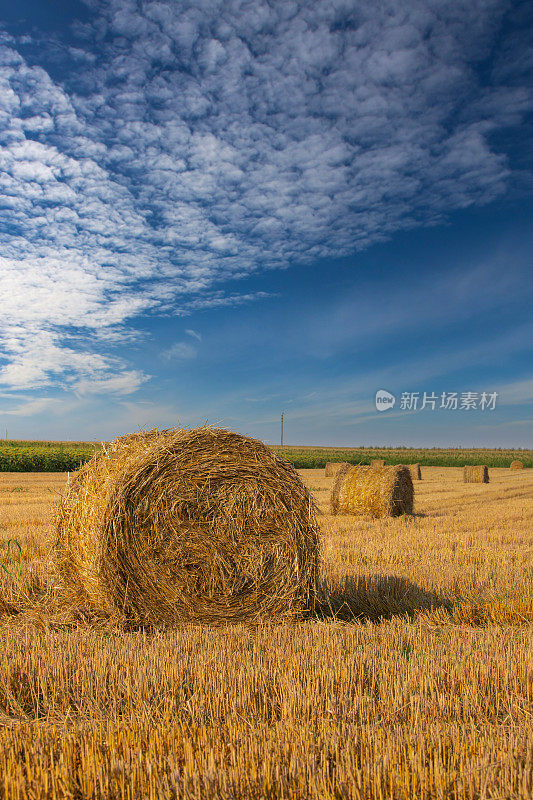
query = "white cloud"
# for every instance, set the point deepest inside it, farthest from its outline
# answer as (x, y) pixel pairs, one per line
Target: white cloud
(122, 384)
(443, 300)
(219, 300)
(180, 351)
(30, 407)
(194, 334)
(516, 393)
(203, 142)
(36, 356)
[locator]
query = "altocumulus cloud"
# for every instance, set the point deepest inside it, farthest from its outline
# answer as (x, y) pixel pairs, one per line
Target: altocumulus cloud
(195, 142)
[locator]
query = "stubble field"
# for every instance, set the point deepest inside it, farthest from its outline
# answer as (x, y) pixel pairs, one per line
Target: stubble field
(414, 681)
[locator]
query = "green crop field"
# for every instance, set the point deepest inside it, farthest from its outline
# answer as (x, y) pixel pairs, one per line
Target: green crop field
(316, 457)
(21, 456)
(44, 456)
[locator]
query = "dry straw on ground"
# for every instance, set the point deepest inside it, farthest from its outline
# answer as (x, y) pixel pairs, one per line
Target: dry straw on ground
(377, 462)
(422, 688)
(479, 473)
(416, 472)
(377, 491)
(332, 467)
(5, 607)
(196, 525)
(516, 465)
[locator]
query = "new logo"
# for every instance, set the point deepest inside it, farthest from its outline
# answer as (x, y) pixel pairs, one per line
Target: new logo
(384, 400)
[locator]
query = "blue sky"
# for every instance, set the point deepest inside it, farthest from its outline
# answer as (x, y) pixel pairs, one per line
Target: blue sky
(222, 210)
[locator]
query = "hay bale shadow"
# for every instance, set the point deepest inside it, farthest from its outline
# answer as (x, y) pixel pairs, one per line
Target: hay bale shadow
(374, 598)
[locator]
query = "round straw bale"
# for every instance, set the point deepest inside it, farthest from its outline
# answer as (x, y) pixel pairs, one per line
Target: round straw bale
(199, 525)
(377, 491)
(516, 465)
(479, 473)
(332, 467)
(377, 462)
(416, 472)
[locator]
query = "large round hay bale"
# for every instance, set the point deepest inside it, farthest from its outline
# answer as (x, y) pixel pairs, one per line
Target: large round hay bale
(516, 465)
(332, 467)
(377, 462)
(377, 491)
(479, 473)
(200, 525)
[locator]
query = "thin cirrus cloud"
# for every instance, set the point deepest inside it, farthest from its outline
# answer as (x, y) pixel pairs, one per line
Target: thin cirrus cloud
(180, 351)
(123, 383)
(197, 143)
(183, 351)
(30, 407)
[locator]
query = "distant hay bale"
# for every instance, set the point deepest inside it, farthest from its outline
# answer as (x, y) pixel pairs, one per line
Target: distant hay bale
(416, 472)
(332, 467)
(377, 491)
(516, 465)
(377, 462)
(476, 474)
(199, 525)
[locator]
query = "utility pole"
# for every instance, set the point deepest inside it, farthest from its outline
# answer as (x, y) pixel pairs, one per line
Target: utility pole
(282, 428)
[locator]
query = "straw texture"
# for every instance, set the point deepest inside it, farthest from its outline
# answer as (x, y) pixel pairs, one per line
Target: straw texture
(516, 465)
(377, 462)
(5, 607)
(374, 491)
(476, 474)
(416, 472)
(332, 467)
(197, 525)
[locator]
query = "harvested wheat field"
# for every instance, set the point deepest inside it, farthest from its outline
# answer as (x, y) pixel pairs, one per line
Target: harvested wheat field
(414, 681)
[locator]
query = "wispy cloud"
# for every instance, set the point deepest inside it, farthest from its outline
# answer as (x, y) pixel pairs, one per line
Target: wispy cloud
(264, 398)
(516, 392)
(204, 142)
(180, 351)
(442, 300)
(219, 300)
(30, 407)
(123, 383)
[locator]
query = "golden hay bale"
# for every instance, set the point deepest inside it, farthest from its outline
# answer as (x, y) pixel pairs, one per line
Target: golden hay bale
(378, 491)
(200, 525)
(516, 465)
(476, 474)
(377, 462)
(416, 472)
(332, 467)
